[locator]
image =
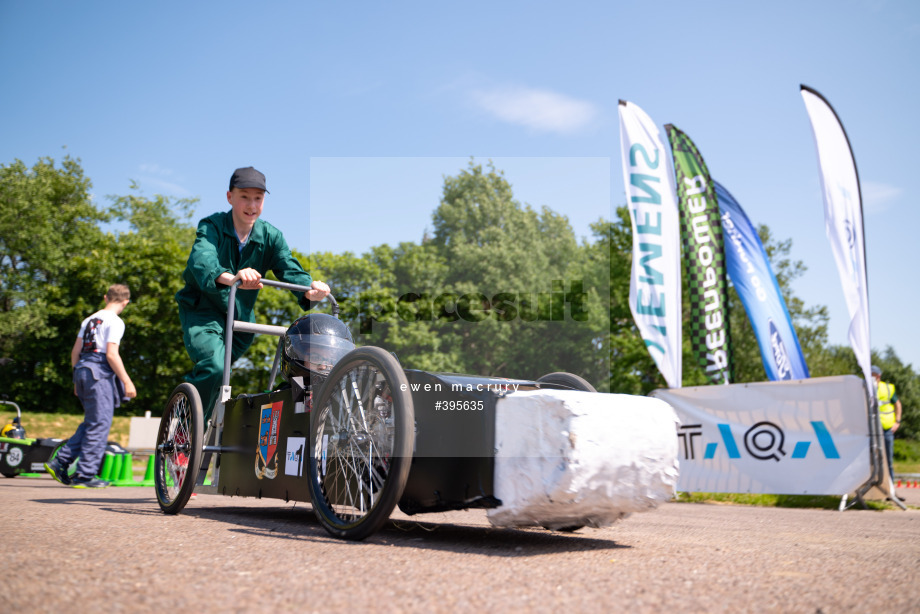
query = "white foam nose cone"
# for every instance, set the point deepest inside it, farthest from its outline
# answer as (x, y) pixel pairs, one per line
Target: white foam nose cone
(567, 458)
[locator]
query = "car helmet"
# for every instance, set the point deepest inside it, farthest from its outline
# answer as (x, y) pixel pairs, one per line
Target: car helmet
(13, 430)
(312, 346)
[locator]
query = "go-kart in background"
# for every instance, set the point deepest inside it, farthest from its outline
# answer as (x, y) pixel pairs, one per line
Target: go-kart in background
(24, 452)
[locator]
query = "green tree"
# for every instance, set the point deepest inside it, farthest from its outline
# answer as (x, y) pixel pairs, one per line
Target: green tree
(150, 258)
(515, 301)
(486, 294)
(510, 266)
(56, 263)
(52, 259)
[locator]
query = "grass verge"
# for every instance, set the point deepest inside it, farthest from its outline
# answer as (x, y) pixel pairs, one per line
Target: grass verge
(62, 426)
(823, 502)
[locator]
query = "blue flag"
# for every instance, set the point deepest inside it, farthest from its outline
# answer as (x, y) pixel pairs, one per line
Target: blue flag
(753, 278)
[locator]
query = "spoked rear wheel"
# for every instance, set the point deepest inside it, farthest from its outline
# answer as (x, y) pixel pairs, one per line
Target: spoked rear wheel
(363, 434)
(178, 450)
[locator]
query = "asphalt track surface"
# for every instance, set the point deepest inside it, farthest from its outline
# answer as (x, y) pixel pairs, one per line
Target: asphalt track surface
(112, 550)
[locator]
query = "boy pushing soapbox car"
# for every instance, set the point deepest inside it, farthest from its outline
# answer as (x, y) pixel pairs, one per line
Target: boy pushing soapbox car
(355, 434)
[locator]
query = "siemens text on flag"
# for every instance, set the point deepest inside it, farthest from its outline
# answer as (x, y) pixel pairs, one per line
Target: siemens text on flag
(654, 288)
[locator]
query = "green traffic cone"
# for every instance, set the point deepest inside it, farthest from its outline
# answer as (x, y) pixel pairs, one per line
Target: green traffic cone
(117, 463)
(126, 475)
(107, 463)
(148, 475)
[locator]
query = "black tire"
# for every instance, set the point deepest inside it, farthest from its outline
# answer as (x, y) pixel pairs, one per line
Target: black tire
(568, 529)
(178, 450)
(362, 435)
(573, 382)
(569, 380)
(11, 471)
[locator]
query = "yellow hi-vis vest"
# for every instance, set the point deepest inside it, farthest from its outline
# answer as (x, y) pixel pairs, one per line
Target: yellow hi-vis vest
(885, 406)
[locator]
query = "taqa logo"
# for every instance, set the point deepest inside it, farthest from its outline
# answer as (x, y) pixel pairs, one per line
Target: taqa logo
(780, 356)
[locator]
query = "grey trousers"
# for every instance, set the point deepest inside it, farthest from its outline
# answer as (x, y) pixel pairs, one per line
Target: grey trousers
(88, 443)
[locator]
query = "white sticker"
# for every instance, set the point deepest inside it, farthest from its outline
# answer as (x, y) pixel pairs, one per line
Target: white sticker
(300, 408)
(14, 457)
(38, 467)
(293, 458)
(325, 445)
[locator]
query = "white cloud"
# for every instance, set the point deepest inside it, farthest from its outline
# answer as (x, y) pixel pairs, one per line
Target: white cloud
(156, 169)
(161, 180)
(540, 110)
(164, 187)
(877, 196)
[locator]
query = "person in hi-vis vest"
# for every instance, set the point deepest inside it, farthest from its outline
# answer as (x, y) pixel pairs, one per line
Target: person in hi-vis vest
(889, 411)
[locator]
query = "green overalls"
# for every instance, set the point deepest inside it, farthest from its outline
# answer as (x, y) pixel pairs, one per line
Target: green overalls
(203, 302)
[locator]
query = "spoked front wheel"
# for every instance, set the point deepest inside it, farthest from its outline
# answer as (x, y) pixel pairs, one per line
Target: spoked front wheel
(178, 450)
(362, 437)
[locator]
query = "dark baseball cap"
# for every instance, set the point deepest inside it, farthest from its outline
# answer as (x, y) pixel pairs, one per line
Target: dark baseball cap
(247, 177)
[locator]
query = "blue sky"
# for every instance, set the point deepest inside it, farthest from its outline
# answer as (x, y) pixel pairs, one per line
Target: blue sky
(356, 111)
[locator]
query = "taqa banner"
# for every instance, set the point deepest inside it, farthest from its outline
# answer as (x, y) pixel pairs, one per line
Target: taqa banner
(704, 259)
(753, 278)
(842, 217)
(654, 287)
(798, 437)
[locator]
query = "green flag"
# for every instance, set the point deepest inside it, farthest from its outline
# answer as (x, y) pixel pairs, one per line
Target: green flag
(704, 259)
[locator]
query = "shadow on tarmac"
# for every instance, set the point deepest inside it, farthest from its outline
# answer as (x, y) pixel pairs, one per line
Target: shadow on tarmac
(299, 523)
(296, 520)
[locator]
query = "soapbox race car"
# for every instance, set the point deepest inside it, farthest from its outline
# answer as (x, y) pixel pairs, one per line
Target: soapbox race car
(367, 438)
(21, 455)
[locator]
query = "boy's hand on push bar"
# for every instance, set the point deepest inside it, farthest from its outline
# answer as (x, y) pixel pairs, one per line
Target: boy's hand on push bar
(319, 292)
(249, 279)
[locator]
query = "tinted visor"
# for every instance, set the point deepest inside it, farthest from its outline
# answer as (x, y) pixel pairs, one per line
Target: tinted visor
(318, 353)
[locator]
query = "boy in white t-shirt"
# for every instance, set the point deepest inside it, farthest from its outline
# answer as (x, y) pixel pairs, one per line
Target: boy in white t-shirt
(101, 382)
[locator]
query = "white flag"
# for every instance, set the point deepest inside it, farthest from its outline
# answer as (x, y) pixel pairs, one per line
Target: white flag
(654, 288)
(843, 218)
